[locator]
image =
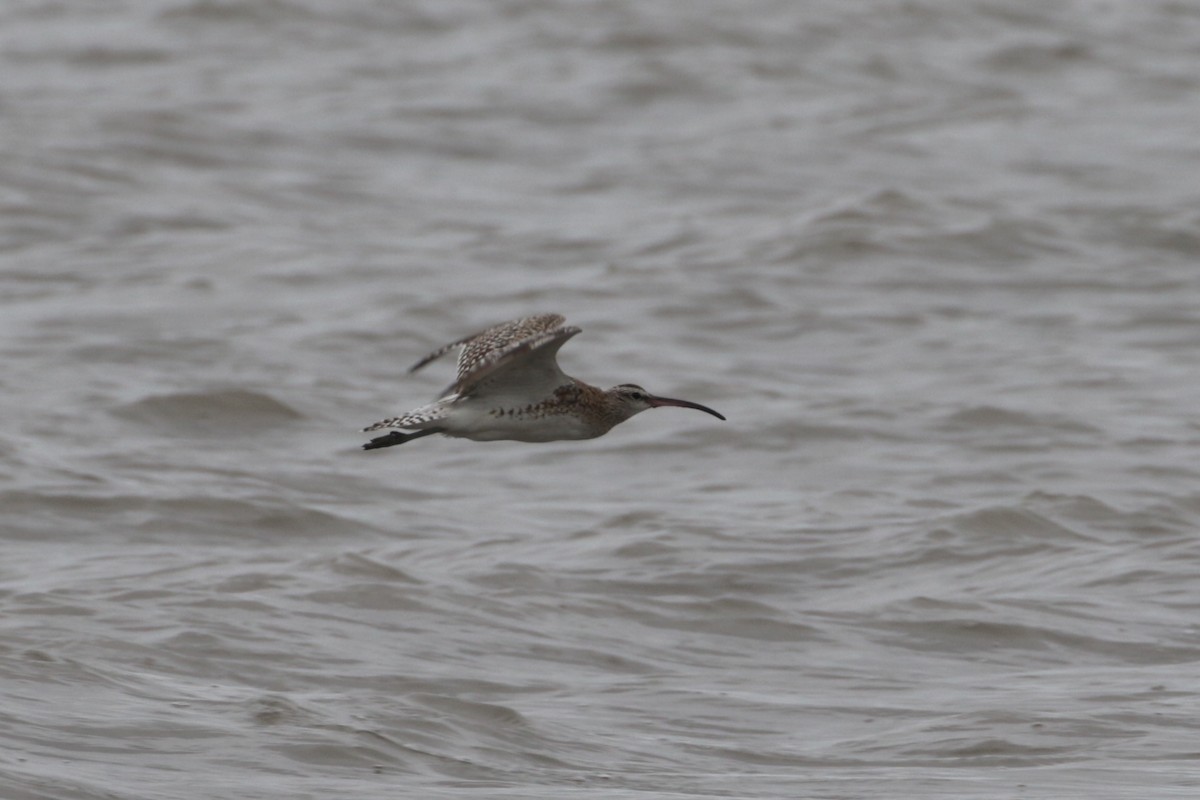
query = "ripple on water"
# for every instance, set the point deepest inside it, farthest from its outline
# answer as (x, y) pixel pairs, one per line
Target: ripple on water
(226, 412)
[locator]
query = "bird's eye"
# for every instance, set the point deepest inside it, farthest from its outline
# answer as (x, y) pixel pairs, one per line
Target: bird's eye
(637, 396)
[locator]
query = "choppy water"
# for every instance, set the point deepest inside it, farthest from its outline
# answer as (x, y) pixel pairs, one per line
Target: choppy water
(936, 261)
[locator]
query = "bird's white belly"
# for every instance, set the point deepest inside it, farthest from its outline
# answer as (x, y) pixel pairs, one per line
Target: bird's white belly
(489, 425)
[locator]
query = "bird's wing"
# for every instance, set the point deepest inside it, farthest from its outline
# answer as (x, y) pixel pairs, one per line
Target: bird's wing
(484, 350)
(515, 358)
(478, 345)
(526, 368)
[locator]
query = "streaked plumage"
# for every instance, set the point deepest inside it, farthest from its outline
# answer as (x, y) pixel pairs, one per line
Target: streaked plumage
(509, 386)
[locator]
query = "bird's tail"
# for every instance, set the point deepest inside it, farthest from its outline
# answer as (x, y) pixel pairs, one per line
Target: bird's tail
(398, 437)
(417, 418)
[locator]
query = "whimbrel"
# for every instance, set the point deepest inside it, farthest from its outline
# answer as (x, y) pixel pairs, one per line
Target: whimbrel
(509, 386)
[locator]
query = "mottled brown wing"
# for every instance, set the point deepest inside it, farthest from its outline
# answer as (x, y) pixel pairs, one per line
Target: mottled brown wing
(523, 369)
(478, 344)
(484, 350)
(506, 355)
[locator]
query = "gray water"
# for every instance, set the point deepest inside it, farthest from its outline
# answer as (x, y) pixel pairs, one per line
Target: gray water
(936, 260)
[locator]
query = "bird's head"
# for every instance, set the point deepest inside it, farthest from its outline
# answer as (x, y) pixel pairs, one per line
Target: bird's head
(633, 399)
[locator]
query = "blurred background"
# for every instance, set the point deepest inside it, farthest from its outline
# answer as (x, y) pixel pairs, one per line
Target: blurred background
(936, 261)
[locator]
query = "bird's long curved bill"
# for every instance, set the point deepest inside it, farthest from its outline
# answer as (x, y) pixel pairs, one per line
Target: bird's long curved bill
(657, 402)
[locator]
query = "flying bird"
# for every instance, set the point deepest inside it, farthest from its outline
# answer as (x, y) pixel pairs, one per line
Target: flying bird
(509, 386)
